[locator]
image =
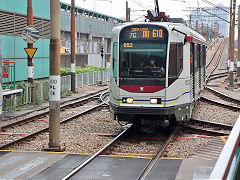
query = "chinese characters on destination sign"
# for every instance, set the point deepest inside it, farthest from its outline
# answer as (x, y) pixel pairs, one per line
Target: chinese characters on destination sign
(145, 33)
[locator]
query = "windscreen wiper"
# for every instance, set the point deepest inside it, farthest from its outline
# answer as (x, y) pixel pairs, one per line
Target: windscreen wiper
(185, 39)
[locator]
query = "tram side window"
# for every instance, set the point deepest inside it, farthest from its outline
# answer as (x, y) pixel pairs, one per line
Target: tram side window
(199, 56)
(175, 60)
(114, 60)
(204, 55)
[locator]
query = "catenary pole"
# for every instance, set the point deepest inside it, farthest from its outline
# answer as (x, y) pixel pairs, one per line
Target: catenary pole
(127, 13)
(73, 56)
(238, 44)
(30, 45)
(231, 67)
(54, 78)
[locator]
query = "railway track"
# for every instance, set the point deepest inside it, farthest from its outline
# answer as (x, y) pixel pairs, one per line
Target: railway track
(146, 171)
(46, 112)
(213, 96)
(90, 159)
(211, 128)
(218, 59)
(38, 131)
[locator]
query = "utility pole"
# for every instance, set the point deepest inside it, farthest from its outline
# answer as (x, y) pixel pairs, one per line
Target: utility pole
(197, 26)
(231, 68)
(30, 45)
(238, 44)
(230, 27)
(207, 33)
(202, 29)
(73, 56)
(127, 12)
(211, 34)
(54, 79)
(190, 21)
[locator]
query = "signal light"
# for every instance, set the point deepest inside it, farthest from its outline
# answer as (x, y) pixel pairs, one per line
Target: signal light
(102, 50)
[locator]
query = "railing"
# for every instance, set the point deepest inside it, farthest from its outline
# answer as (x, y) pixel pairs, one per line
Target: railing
(41, 89)
(84, 79)
(8, 75)
(227, 165)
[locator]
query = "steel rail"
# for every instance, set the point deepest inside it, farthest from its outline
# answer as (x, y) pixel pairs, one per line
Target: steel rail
(220, 94)
(219, 103)
(103, 96)
(154, 160)
(218, 60)
(47, 128)
(81, 166)
(212, 123)
(206, 130)
(65, 104)
(222, 167)
(213, 56)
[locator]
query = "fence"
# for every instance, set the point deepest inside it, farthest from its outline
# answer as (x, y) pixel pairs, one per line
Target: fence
(41, 89)
(8, 74)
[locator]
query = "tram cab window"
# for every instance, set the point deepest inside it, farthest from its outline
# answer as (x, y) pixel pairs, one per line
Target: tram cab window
(145, 60)
(175, 60)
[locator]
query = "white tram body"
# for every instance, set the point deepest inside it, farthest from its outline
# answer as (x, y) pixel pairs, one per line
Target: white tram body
(164, 90)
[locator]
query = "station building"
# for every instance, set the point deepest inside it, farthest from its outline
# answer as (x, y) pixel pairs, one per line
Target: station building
(92, 29)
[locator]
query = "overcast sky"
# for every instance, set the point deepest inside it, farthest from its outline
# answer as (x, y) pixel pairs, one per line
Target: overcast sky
(174, 8)
(116, 8)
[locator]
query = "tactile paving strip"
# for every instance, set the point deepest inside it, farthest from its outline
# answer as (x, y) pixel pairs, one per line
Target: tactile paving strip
(212, 150)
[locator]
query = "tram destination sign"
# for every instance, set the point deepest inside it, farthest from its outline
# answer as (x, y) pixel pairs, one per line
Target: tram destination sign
(144, 32)
(30, 34)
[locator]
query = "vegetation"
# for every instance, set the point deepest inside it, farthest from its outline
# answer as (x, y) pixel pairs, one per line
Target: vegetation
(87, 69)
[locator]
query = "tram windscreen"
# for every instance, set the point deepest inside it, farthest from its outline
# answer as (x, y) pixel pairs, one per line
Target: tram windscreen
(143, 51)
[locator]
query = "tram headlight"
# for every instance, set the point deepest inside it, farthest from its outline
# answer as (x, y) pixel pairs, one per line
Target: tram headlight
(155, 101)
(127, 100)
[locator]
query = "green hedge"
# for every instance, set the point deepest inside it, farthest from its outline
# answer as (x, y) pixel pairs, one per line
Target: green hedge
(89, 68)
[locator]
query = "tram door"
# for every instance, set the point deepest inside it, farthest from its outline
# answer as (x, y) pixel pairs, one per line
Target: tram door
(1, 90)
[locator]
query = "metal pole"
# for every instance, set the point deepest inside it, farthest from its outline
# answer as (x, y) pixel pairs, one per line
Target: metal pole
(102, 55)
(211, 34)
(197, 26)
(73, 56)
(230, 27)
(30, 45)
(54, 79)
(207, 33)
(231, 68)
(238, 44)
(127, 14)
(202, 29)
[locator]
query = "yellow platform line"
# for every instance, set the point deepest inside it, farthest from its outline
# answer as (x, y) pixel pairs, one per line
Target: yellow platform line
(133, 154)
(202, 158)
(210, 149)
(170, 158)
(210, 152)
(205, 155)
(216, 143)
(122, 156)
(223, 139)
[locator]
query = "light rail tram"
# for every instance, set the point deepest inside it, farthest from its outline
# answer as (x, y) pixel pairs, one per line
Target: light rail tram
(157, 72)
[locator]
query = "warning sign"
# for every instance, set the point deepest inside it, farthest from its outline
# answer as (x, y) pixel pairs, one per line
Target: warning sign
(30, 52)
(5, 72)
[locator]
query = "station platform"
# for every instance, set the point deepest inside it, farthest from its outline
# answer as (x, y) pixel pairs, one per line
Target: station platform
(55, 166)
